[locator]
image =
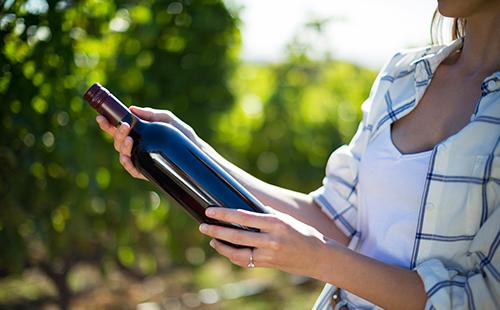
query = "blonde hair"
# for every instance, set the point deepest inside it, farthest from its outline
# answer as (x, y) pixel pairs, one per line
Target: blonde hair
(457, 28)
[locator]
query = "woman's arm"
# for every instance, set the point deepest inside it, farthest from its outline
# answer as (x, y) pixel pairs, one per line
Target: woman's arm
(298, 205)
(293, 247)
(388, 286)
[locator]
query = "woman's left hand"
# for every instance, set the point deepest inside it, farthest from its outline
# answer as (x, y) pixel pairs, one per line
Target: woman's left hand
(283, 242)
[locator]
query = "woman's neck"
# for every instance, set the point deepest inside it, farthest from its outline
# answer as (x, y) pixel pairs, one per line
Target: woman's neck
(480, 54)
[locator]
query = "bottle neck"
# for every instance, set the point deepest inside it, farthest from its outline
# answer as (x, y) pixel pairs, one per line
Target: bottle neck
(109, 106)
(115, 111)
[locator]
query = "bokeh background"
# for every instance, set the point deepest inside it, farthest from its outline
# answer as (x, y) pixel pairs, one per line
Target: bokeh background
(274, 87)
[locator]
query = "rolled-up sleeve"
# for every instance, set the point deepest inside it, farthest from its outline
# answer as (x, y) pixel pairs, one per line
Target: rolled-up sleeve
(338, 195)
(448, 288)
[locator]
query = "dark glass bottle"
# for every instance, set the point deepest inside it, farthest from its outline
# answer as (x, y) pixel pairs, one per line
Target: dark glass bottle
(170, 160)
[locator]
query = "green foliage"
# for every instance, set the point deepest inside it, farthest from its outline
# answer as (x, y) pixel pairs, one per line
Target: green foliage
(289, 117)
(64, 198)
(63, 195)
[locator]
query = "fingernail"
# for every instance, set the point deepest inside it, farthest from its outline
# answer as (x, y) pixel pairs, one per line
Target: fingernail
(128, 141)
(203, 227)
(210, 212)
(212, 243)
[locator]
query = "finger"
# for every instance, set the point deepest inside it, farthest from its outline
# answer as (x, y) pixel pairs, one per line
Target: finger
(105, 125)
(125, 160)
(120, 134)
(152, 115)
(126, 147)
(129, 166)
(262, 221)
(240, 257)
(234, 235)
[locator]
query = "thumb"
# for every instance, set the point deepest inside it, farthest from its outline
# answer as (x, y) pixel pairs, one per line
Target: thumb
(143, 113)
(147, 114)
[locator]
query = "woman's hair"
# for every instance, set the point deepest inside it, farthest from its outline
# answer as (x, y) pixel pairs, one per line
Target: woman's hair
(457, 28)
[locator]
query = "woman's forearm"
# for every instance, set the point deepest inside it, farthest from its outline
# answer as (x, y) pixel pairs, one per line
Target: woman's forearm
(296, 204)
(387, 286)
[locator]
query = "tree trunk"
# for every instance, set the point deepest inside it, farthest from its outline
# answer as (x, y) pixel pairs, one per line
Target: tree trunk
(59, 278)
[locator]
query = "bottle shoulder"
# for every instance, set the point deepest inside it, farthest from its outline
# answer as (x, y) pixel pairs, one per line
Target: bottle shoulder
(159, 135)
(160, 128)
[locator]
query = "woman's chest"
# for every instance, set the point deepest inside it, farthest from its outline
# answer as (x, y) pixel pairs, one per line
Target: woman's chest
(445, 108)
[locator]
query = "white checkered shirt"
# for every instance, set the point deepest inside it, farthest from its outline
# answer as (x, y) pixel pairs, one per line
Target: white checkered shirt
(455, 248)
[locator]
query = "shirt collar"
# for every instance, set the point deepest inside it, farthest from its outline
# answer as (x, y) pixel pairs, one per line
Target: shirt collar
(426, 65)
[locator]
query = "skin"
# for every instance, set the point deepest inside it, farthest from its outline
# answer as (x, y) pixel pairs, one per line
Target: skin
(464, 8)
(298, 238)
(451, 97)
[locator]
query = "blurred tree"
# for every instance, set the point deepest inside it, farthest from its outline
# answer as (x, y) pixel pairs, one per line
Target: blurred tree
(289, 117)
(61, 187)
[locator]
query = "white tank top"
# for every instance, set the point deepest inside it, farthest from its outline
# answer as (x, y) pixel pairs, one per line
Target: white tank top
(390, 190)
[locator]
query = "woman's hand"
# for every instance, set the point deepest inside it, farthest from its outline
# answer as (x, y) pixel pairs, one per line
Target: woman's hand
(283, 242)
(123, 143)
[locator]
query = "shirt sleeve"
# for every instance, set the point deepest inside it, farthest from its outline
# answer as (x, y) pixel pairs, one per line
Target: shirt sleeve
(449, 288)
(338, 197)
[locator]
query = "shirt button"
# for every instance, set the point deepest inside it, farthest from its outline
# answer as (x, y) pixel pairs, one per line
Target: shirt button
(493, 85)
(429, 206)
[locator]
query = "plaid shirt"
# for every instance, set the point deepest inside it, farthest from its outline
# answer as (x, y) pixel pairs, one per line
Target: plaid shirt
(457, 238)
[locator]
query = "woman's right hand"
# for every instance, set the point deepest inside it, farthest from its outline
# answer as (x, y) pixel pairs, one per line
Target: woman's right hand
(123, 143)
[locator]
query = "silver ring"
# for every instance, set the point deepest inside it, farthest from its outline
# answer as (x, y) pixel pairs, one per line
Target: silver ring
(251, 263)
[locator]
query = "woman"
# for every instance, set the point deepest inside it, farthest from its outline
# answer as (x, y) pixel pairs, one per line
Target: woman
(414, 196)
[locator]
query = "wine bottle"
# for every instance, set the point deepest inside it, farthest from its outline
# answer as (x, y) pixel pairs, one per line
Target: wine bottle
(167, 158)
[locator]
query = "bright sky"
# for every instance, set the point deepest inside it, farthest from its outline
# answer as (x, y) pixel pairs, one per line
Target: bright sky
(362, 31)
